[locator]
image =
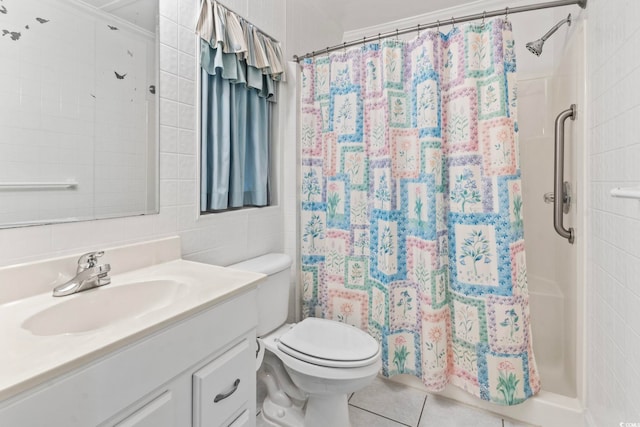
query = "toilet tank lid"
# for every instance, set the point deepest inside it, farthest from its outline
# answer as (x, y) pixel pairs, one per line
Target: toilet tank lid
(266, 264)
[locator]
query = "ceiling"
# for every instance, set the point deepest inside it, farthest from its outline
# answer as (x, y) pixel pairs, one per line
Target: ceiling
(356, 14)
(141, 13)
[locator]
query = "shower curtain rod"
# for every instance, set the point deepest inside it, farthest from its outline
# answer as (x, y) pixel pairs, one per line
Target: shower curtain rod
(506, 11)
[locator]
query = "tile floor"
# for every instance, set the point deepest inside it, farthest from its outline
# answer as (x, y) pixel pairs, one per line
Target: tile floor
(389, 404)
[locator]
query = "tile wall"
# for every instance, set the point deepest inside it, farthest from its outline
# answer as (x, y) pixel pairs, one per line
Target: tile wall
(613, 276)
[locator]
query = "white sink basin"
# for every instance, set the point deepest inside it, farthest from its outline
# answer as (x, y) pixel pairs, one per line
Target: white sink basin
(100, 307)
(151, 288)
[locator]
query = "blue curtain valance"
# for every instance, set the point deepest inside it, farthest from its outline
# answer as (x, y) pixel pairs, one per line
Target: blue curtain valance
(229, 36)
(230, 67)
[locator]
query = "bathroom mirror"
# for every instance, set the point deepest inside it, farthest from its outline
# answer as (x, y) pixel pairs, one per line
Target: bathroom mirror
(78, 110)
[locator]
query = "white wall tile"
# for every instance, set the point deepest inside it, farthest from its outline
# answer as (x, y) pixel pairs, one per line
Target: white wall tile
(187, 41)
(87, 234)
(187, 217)
(168, 32)
(187, 13)
(187, 66)
(168, 112)
(187, 117)
(169, 9)
(187, 192)
(138, 228)
(185, 142)
(187, 91)
(166, 222)
(168, 166)
(613, 289)
(168, 59)
(187, 167)
(168, 86)
(168, 139)
(168, 193)
(28, 242)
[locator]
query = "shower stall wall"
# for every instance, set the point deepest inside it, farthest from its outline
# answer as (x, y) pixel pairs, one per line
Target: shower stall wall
(552, 261)
(554, 264)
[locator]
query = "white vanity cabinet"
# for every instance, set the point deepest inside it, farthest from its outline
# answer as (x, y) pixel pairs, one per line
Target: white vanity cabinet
(157, 413)
(196, 371)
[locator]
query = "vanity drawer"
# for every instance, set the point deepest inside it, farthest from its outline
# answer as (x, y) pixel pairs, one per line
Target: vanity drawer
(223, 388)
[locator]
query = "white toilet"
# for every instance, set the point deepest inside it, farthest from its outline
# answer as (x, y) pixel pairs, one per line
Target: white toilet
(324, 361)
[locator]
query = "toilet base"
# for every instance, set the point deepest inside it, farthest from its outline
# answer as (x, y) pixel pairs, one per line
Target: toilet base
(321, 411)
(284, 402)
(327, 410)
(292, 416)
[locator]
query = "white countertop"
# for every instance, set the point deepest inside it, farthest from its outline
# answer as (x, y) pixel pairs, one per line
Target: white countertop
(27, 360)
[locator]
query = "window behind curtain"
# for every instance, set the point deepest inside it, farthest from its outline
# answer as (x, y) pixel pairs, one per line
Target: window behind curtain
(240, 70)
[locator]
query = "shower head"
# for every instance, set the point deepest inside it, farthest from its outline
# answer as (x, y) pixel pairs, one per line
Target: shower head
(535, 47)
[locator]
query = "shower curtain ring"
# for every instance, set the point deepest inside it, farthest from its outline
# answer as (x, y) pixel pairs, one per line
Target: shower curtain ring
(344, 47)
(418, 30)
(379, 39)
(506, 14)
(484, 15)
(438, 25)
(397, 35)
(453, 23)
(327, 51)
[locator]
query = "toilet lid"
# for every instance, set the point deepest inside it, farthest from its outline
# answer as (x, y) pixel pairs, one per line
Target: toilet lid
(329, 343)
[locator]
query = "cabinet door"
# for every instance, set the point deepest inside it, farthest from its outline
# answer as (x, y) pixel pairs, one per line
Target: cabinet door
(225, 388)
(157, 413)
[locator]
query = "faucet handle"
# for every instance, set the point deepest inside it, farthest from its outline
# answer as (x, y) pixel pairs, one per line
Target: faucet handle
(89, 259)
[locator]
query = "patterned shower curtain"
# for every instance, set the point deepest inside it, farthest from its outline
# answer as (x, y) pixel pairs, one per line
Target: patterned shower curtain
(411, 216)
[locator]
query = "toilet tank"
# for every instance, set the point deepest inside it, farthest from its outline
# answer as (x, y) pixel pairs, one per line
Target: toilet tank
(273, 292)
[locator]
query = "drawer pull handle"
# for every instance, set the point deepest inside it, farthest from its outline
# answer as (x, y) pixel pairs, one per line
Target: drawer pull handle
(223, 396)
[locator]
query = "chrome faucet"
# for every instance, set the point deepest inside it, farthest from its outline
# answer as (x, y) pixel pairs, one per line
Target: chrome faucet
(88, 275)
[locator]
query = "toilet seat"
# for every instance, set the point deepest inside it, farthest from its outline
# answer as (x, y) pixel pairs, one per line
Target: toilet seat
(329, 343)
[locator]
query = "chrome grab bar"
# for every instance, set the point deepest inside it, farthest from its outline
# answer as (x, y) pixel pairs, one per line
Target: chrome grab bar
(558, 173)
(566, 197)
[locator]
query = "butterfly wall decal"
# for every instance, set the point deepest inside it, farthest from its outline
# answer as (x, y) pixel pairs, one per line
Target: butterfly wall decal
(120, 76)
(15, 35)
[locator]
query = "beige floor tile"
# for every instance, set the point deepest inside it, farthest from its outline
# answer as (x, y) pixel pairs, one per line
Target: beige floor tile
(441, 412)
(512, 423)
(391, 400)
(361, 418)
